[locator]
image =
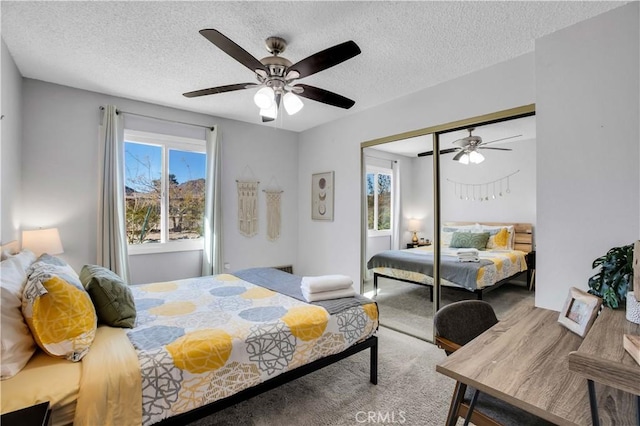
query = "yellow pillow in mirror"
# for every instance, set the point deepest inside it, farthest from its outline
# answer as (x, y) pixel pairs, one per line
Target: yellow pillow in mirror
(499, 241)
(63, 320)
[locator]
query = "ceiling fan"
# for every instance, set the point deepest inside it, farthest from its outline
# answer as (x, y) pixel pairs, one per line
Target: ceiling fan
(467, 148)
(276, 75)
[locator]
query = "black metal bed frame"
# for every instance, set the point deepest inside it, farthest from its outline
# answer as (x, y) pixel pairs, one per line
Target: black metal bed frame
(303, 370)
(478, 292)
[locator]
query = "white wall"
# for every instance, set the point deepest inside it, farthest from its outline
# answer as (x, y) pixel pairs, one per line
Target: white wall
(60, 182)
(11, 125)
(587, 102)
(334, 247)
(519, 205)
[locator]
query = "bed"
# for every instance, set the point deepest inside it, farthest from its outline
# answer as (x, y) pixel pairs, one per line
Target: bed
(199, 345)
(497, 265)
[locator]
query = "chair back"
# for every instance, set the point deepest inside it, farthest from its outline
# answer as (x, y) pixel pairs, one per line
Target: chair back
(460, 322)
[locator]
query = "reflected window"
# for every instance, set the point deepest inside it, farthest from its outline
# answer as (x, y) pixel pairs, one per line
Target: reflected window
(379, 199)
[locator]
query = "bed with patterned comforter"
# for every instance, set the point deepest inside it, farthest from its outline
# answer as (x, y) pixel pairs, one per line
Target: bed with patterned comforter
(203, 339)
(416, 265)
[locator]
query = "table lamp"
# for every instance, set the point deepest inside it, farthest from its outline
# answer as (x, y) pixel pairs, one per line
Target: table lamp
(42, 241)
(414, 226)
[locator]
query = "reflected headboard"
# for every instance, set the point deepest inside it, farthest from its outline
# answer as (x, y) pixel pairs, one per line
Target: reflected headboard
(523, 231)
(12, 247)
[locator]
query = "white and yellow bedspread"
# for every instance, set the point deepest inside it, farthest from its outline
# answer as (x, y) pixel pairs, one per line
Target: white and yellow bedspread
(504, 264)
(203, 339)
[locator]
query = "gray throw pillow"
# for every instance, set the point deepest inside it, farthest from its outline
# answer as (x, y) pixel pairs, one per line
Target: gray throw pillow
(111, 297)
(477, 240)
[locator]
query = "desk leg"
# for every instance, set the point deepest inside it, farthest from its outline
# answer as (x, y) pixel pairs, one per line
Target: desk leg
(472, 405)
(456, 400)
(593, 402)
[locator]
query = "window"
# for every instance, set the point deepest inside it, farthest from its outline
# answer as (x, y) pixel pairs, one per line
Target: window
(164, 192)
(379, 200)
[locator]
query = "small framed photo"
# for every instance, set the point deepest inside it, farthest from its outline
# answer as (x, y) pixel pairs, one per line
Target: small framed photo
(322, 191)
(579, 311)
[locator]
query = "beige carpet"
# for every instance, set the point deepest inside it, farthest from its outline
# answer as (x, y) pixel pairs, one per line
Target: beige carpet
(340, 394)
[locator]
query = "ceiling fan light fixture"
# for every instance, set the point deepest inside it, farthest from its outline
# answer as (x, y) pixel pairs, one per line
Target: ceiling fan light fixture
(475, 157)
(271, 112)
(464, 159)
(292, 103)
(264, 98)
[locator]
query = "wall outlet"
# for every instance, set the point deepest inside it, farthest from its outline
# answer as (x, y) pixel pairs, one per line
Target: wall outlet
(227, 266)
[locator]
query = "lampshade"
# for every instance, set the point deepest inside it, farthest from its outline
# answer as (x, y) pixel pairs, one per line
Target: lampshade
(414, 225)
(264, 98)
(271, 112)
(475, 157)
(292, 103)
(464, 159)
(42, 241)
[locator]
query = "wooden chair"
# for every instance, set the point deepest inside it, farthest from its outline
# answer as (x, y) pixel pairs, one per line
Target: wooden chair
(456, 325)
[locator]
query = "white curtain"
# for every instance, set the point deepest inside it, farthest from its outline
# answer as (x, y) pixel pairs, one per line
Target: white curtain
(112, 233)
(212, 254)
(396, 236)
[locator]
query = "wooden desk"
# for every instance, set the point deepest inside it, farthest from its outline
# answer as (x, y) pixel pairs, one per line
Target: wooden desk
(603, 359)
(523, 360)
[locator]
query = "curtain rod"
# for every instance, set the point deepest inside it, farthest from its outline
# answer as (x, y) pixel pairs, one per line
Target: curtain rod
(118, 111)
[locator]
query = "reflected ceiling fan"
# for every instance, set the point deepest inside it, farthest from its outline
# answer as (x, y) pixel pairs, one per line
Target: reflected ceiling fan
(468, 148)
(276, 75)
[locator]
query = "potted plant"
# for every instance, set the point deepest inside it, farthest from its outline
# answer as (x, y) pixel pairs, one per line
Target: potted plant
(613, 280)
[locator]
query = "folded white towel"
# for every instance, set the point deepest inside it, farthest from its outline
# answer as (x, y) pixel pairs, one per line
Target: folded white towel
(466, 251)
(327, 295)
(469, 259)
(325, 283)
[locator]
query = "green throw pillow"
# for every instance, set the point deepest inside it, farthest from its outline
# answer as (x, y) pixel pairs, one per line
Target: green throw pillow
(477, 240)
(111, 297)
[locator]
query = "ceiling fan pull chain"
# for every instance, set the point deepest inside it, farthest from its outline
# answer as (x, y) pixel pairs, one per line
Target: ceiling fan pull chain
(508, 190)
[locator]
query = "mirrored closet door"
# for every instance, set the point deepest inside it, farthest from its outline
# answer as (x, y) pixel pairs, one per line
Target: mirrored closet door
(469, 179)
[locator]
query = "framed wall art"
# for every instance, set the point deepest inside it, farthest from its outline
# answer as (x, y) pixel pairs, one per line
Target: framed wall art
(579, 311)
(322, 192)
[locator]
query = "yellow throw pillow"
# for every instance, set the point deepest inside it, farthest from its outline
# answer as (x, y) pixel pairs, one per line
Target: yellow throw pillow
(499, 241)
(61, 317)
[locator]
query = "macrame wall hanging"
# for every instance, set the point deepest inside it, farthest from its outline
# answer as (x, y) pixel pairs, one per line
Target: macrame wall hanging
(483, 191)
(274, 218)
(248, 204)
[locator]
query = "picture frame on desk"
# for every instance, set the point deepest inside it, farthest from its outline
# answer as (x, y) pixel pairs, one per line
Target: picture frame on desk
(579, 311)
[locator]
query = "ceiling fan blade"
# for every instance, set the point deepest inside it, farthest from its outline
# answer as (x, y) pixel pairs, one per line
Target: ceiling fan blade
(443, 151)
(459, 155)
(497, 149)
(326, 58)
(266, 119)
(219, 89)
(232, 49)
(325, 96)
(503, 139)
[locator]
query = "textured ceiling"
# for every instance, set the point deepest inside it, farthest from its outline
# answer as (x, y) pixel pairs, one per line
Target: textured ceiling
(151, 51)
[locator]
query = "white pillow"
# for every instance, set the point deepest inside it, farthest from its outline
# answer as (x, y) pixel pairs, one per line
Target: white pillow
(17, 342)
